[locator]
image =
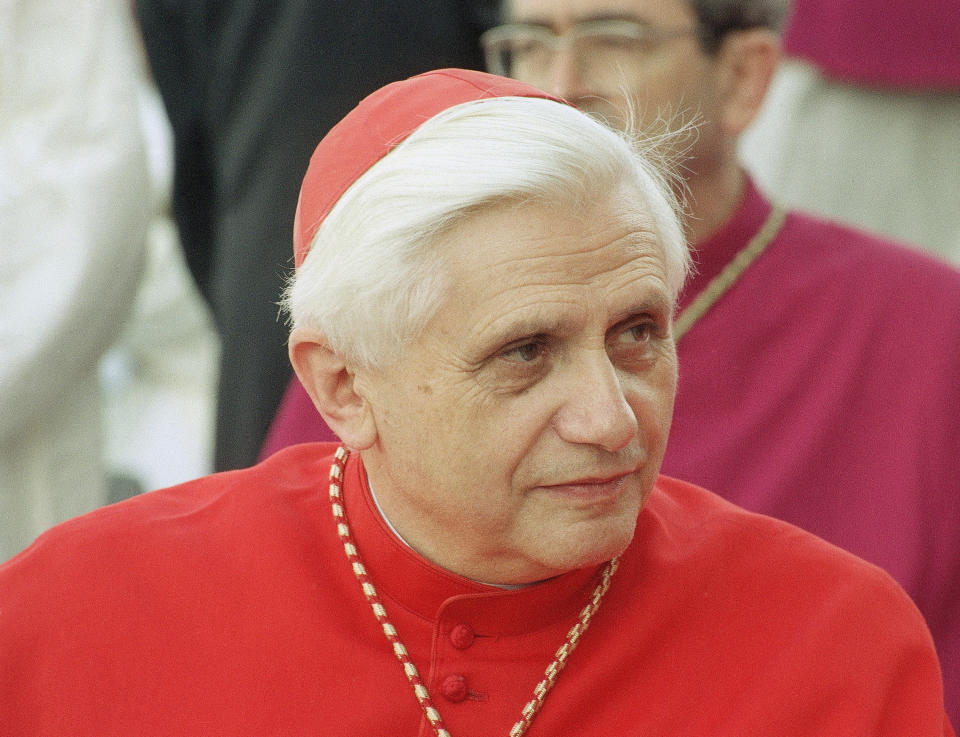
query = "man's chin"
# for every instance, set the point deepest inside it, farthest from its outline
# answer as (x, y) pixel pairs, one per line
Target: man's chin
(599, 543)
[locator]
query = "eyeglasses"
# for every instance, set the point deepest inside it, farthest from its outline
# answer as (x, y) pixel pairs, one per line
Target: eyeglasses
(602, 49)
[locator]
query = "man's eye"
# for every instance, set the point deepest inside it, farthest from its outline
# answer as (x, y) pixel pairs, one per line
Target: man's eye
(524, 353)
(636, 334)
(611, 42)
(528, 47)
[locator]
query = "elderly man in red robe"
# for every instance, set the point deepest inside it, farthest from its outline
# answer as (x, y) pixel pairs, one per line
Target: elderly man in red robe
(819, 366)
(483, 311)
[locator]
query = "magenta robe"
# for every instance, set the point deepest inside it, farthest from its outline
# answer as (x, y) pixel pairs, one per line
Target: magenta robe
(823, 389)
(899, 44)
(226, 606)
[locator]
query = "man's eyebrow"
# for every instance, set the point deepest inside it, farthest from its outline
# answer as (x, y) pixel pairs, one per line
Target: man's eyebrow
(518, 327)
(611, 15)
(656, 304)
(537, 22)
(590, 18)
(525, 327)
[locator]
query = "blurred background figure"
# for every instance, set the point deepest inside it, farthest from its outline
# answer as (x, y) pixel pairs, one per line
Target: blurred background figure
(869, 95)
(75, 204)
(158, 380)
(250, 87)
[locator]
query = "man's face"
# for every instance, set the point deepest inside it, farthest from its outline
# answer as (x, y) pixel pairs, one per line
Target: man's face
(669, 81)
(520, 435)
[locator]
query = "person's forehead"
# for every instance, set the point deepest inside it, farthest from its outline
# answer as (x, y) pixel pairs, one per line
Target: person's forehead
(560, 13)
(537, 249)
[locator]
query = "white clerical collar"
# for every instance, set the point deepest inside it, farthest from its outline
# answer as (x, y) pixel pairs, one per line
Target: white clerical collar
(506, 586)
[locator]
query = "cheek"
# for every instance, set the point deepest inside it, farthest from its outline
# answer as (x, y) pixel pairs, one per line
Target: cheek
(409, 414)
(652, 397)
(670, 95)
(466, 434)
(512, 437)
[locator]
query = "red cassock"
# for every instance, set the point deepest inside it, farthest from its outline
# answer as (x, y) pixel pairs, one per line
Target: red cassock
(823, 388)
(226, 606)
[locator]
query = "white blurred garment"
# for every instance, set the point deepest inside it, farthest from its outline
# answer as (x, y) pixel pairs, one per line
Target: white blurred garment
(884, 160)
(159, 378)
(75, 203)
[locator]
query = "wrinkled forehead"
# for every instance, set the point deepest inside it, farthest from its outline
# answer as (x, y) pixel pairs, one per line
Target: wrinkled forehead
(554, 246)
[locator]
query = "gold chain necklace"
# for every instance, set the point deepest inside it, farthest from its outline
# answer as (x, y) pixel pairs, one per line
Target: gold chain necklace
(714, 290)
(413, 677)
(728, 276)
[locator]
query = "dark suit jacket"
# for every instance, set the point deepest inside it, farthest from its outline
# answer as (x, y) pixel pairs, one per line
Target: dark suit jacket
(250, 88)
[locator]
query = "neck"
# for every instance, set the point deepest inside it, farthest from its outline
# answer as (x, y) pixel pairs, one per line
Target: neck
(490, 567)
(396, 532)
(712, 198)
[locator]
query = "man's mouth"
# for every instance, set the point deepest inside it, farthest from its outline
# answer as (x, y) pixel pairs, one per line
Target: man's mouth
(592, 488)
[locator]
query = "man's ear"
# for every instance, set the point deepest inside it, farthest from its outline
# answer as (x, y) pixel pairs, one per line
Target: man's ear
(329, 380)
(748, 59)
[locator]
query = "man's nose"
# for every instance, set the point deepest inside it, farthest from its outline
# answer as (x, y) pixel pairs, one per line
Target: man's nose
(566, 77)
(595, 410)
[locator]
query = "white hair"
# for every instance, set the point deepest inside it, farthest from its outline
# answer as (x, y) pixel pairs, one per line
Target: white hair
(373, 277)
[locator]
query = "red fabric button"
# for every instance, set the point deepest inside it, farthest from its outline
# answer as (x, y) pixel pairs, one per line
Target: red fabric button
(462, 636)
(454, 688)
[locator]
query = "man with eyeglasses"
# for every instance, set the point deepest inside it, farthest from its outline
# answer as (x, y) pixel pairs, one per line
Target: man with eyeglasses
(819, 366)
(663, 64)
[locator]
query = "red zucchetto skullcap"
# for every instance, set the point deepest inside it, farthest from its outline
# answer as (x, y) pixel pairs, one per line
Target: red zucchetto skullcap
(375, 126)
